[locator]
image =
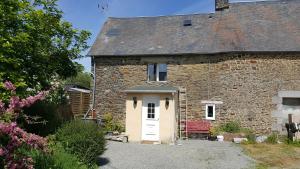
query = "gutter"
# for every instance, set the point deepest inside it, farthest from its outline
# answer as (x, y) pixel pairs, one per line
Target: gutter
(150, 91)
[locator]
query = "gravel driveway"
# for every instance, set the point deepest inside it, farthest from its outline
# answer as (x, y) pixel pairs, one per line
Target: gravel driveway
(192, 154)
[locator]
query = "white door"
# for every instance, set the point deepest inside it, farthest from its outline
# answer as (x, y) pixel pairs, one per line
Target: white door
(150, 119)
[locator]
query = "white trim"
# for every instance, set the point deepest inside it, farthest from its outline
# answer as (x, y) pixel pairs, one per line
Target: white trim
(150, 91)
(211, 102)
(214, 112)
(79, 90)
(157, 72)
(289, 94)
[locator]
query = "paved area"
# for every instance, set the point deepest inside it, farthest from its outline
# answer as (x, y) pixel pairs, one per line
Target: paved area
(192, 154)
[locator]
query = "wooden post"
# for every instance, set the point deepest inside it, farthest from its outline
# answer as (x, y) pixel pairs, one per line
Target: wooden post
(290, 133)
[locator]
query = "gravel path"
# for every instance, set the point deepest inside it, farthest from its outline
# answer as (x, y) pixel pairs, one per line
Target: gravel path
(192, 154)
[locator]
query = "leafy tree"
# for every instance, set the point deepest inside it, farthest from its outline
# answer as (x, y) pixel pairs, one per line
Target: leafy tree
(82, 78)
(36, 45)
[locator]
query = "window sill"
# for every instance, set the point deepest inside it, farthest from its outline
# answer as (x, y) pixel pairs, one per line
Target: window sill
(157, 81)
(211, 119)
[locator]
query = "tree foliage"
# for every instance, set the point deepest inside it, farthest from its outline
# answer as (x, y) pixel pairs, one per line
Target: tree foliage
(82, 78)
(36, 45)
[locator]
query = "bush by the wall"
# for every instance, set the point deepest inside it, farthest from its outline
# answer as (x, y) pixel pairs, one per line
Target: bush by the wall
(84, 139)
(251, 138)
(272, 139)
(231, 127)
(110, 124)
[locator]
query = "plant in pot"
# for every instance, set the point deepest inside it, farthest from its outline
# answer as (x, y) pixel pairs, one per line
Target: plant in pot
(216, 133)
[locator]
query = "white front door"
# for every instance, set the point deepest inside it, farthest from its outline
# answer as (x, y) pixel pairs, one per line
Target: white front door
(150, 118)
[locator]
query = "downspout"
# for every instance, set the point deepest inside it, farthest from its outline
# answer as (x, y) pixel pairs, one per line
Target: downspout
(94, 85)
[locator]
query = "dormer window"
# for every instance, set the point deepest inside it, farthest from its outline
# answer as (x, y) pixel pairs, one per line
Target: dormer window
(157, 72)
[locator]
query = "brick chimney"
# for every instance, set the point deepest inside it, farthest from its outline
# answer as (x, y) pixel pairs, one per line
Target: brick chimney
(221, 4)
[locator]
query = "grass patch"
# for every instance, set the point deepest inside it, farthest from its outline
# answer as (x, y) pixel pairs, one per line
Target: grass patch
(273, 155)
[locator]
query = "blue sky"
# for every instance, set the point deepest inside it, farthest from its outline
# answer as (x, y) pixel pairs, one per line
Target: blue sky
(85, 14)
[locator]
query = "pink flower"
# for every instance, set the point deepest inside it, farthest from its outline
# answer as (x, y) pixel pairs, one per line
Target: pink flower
(1, 152)
(9, 86)
(16, 139)
(14, 104)
(2, 108)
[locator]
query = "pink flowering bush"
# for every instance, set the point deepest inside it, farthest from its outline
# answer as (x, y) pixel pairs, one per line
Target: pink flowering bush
(16, 104)
(13, 139)
(9, 86)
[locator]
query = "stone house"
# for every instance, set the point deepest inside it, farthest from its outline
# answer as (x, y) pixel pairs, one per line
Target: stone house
(241, 63)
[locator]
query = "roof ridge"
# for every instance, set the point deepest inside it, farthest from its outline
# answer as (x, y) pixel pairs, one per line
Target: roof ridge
(160, 16)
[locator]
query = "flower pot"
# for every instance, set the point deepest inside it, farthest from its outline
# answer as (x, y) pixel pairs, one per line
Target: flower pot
(94, 115)
(220, 138)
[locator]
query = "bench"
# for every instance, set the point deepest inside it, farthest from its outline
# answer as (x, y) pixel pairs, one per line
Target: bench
(198, 127)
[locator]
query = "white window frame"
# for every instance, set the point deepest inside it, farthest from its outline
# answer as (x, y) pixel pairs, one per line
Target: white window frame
(214, 112)
(157, 72)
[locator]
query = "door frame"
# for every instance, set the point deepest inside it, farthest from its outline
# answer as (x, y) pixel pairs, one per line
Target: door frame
(145, 100)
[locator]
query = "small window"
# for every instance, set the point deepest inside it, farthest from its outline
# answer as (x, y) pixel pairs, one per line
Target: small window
(187, 22)
(157, 72)
(291, 101)
(151, 111)
(210, 112)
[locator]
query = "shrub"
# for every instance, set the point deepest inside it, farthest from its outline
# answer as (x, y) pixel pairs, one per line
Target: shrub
(84, 139)
(110, 124)
(57, 158)
(231, 127)
(47, 112)
(44, 160)
(215, 131)
(67, 160)
(15, 143)
(272, 139)
(251, 138)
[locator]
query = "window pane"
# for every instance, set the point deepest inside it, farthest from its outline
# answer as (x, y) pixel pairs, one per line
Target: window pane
(162, 72)
(152, 72)
(210, 112)
(151, 110)
(291, 101)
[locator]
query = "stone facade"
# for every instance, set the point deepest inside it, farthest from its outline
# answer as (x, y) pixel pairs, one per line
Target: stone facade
(245, 83)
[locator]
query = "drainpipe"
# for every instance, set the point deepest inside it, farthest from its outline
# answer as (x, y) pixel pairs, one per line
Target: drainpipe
(94, 85)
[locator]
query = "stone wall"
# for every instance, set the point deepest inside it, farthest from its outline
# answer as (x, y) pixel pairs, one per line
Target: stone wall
(245, 83)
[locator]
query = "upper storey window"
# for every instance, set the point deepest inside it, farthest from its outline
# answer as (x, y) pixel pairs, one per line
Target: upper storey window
(157, 72)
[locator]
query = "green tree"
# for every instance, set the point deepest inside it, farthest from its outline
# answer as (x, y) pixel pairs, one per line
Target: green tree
(82, 78)
(36, 44)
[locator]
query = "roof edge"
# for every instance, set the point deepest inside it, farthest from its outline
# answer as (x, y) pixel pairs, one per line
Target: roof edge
(178, 54)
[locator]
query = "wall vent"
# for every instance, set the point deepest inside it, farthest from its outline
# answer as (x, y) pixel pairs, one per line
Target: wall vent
(187, 22)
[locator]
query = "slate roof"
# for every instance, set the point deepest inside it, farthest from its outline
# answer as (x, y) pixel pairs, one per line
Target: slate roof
(268, 26)
(152, 89)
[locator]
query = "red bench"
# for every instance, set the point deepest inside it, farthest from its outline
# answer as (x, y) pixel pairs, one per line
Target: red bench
(198, 126)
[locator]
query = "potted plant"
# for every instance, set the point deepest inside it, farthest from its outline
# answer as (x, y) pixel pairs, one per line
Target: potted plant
(216, 134)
